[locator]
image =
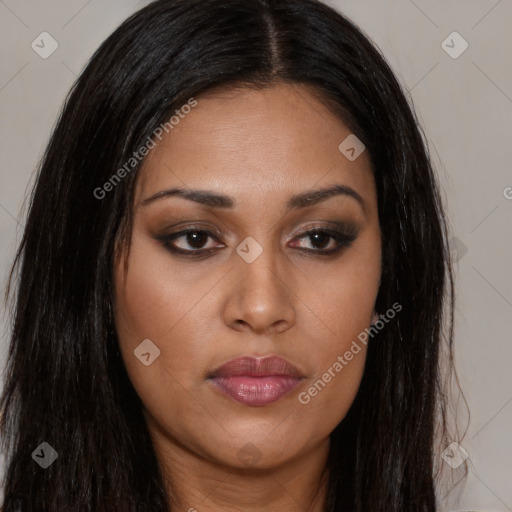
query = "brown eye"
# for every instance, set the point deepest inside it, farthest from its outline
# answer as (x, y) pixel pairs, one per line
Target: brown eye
(326, 241)
(194, 242)
(190, 241)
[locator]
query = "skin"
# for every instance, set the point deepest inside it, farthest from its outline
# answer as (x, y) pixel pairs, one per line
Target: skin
(260, 147)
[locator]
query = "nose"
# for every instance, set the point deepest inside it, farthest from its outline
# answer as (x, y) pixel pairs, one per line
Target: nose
(261, 298)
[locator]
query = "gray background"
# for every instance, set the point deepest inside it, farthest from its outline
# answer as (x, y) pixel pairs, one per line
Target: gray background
(465, 107)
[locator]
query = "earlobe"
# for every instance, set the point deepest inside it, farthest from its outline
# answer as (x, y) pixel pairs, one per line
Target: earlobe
(375, 317)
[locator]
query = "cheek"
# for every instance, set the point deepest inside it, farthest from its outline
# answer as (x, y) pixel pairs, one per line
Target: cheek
(156, 300)
(344, 307)
(342, 296)
(148, 307)
(330, 392)
(145, 303)
(338, 358)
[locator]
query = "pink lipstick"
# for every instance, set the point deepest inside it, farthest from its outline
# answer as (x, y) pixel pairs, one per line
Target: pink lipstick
(256, 381)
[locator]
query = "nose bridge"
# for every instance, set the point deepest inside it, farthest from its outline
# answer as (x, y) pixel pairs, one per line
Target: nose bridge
(261, 298)
(260, 258)
(261, 274)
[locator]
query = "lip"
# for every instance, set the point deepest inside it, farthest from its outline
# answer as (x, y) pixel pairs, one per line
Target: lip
(256, 381)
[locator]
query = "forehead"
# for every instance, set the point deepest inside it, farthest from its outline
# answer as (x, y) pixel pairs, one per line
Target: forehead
(246, 142)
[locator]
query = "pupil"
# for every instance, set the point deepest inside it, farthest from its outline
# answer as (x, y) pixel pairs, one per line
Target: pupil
(316, 237)
(197, 239)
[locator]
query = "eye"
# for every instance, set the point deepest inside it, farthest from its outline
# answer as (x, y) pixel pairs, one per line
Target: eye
(190, 241)
(193, 242)
(326, 241)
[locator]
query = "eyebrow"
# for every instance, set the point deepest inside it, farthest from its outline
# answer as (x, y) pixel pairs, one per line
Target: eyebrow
(296, 202)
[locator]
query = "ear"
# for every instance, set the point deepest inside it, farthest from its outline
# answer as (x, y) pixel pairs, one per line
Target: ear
(375, 317)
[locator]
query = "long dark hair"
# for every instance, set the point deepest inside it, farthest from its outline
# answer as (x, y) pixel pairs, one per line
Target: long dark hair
(65, 382)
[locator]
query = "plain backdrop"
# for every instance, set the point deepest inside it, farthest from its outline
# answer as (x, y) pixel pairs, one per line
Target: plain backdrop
(464, 103)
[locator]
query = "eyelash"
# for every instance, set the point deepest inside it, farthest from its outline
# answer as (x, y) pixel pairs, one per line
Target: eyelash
(343, 238)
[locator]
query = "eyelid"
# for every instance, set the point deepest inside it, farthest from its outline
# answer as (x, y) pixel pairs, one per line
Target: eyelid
(348, 229)
(192, 226)
(343, 227)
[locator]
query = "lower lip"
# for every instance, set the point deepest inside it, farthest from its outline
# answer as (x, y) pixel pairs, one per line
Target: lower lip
(256, 391)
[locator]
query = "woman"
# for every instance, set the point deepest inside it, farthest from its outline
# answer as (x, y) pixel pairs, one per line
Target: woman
(233, 279)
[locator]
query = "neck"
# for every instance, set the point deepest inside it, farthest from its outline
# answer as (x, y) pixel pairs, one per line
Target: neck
(197, 483)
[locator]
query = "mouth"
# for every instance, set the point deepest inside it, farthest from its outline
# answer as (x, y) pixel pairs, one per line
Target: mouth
(256, 381)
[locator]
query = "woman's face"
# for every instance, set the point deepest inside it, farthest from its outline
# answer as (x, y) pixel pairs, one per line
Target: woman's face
(249, 283)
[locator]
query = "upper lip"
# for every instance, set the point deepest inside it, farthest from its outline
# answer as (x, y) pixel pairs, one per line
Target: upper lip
(257, 367)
